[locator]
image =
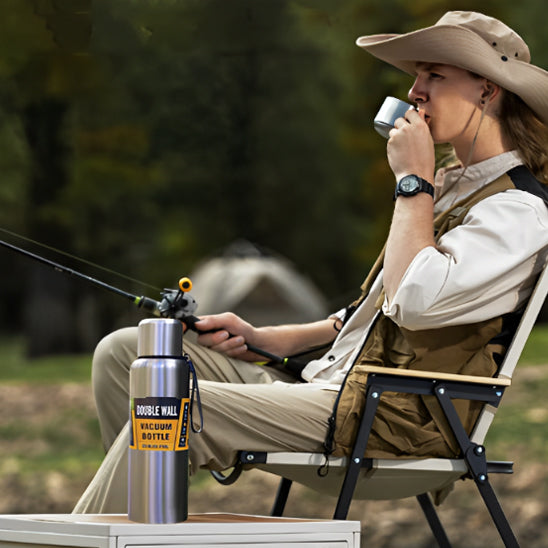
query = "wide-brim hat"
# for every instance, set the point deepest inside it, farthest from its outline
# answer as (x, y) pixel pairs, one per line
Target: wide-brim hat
(472, 41)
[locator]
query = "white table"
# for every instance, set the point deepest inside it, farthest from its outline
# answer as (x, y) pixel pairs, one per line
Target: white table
(201, 530)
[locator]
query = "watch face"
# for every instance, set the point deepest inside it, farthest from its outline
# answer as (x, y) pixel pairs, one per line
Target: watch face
(409, 184)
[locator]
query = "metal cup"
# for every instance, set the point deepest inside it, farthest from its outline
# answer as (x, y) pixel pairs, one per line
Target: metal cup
(390, 111)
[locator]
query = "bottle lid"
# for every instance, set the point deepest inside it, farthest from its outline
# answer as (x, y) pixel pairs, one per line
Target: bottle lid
(160, 337)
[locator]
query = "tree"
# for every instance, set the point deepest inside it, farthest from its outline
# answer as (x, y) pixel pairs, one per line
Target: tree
(145, 135)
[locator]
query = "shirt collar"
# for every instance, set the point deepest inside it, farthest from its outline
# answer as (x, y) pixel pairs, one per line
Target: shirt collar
(454, 184)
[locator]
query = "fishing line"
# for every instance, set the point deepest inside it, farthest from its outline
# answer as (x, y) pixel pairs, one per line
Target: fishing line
(79, 259)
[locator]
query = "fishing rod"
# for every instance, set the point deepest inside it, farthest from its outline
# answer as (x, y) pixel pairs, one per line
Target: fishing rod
(176, 303)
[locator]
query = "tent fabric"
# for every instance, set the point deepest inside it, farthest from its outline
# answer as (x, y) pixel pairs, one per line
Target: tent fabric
(263, 289)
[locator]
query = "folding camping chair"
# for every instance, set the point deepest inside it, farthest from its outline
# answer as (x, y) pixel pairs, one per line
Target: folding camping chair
(365, 478)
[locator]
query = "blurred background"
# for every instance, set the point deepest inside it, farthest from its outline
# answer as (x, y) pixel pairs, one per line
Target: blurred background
(148, 137)
(226, 140)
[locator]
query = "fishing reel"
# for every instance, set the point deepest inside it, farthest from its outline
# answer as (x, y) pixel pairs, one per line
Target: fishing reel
(177, 303)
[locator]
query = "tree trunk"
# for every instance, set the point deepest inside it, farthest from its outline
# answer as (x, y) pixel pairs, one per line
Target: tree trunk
(50, 301)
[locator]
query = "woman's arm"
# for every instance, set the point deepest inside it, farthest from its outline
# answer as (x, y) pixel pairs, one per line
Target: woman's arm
(410, 232)
(229, 334)
(410, 152)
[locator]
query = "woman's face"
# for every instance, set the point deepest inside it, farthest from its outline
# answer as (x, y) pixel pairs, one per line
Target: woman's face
(450, 98)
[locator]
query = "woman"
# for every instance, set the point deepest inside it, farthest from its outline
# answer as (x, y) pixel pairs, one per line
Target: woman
(448, 284)
(468, 63)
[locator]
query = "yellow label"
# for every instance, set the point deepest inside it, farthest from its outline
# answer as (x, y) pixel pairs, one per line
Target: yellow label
(159, 424)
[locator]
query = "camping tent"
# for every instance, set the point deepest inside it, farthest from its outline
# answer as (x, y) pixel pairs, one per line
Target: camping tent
(262, 288)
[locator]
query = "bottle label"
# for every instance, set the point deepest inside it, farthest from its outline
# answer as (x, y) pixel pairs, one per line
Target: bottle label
(159, 424)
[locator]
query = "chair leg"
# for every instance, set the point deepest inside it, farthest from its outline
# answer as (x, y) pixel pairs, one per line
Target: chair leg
(281, 497)
(433, 520)
(357, 459)
(477, 465)
(497, 514)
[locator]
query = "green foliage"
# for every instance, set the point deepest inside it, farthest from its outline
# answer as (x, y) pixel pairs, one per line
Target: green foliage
(14, 169)
(146, 135)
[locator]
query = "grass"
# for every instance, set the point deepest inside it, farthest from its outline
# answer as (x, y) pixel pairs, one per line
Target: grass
(522, 421)
(49, 436)
(536, 348)
(16, 367)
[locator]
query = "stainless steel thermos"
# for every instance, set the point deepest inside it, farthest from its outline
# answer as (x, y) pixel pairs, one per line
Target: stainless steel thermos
(159, 420)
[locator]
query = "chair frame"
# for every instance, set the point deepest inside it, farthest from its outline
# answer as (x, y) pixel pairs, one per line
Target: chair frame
(474, 454)
(445, 387)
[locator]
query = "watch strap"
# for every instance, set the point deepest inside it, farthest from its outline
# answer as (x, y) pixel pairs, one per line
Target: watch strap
(423, 186)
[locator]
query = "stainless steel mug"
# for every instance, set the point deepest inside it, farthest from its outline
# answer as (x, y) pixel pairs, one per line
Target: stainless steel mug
(390, 111)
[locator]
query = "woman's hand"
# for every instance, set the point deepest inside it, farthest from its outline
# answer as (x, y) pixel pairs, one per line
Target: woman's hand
(410, 147)
(231, 335)
(226, 333)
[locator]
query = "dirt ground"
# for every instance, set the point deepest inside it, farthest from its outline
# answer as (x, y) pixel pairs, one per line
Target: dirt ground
(390, 524)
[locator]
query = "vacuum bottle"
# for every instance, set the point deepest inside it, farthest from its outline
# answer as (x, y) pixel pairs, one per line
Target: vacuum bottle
(159, 421)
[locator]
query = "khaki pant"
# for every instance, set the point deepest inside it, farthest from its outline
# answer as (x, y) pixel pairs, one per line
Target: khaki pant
(245, 406)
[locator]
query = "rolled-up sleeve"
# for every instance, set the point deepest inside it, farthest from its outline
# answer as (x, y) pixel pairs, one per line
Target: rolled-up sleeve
(481, 269)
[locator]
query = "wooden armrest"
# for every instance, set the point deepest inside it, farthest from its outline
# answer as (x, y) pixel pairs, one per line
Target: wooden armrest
(436, 375)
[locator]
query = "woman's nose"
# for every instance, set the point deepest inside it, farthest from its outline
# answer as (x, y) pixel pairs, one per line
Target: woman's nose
(417, 94)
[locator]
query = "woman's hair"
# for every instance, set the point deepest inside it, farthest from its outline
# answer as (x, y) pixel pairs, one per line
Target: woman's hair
(526, 133)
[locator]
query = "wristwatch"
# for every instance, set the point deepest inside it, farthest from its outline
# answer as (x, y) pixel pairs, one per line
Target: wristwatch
(410, 185)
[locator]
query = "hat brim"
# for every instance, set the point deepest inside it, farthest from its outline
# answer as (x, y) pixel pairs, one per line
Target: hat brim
(463, 48)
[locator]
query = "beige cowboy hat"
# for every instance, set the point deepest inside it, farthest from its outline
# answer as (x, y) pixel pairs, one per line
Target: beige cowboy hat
(471, 41)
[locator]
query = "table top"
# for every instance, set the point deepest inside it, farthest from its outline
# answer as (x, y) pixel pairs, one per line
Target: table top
(120, 525)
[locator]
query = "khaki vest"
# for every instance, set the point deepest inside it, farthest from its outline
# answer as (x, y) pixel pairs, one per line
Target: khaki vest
(409, 424)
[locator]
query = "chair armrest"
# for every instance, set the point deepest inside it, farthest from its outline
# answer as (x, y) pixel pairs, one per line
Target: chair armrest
(436, 375)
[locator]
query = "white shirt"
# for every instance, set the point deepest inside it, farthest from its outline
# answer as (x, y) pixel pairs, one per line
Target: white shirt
(481, 269)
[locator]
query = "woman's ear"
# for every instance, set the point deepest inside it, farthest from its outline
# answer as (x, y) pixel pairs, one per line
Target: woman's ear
(489, 92)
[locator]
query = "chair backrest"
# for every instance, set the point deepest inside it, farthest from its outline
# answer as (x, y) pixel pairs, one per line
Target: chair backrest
(536, 300)
(506, 371)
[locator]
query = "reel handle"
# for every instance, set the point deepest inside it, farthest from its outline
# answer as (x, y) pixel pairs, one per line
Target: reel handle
(185, 284)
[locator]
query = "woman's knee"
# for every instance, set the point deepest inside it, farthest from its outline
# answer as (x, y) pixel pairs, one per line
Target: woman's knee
(113, 357)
